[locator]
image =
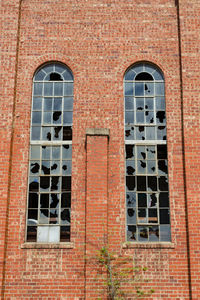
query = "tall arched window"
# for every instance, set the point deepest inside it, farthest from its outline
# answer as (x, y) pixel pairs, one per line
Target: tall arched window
(147, 195)
(49, 193)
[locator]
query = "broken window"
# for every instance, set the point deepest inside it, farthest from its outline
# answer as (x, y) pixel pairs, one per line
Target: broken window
(50, 165)
(147, 191)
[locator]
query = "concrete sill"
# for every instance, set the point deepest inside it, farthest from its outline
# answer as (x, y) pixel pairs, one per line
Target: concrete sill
(161, 245)
(67, 245)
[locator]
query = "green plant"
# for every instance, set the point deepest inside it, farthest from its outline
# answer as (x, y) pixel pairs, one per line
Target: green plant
(123, 279)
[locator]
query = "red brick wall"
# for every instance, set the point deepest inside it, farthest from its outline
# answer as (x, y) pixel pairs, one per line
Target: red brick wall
(98, 40)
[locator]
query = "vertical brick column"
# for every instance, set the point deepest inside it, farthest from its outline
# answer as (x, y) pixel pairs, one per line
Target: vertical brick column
(96, 208)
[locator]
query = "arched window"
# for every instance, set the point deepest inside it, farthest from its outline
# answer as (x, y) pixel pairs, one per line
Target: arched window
(49, 193)
(147, 195)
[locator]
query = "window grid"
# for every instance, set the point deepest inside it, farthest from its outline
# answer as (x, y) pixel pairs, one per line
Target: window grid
(147, 194)
(49, 196)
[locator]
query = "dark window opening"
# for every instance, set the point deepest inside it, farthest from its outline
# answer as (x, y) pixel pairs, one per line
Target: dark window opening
(55, 77)
(144, 76)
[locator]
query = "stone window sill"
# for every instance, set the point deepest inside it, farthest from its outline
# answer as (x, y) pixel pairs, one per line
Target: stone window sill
(161, 245)
(68, 245)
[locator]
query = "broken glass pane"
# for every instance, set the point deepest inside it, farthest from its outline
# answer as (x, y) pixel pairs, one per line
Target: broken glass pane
(130, 151)
(154, 234)
(66, 200)
(48, 88)
(152, 200)
(46, 133)
(65, 216)
(131, 233)
(130, 167)
(55, 183)
(66, 183)
(164, 216)
(128, 89)
(31, 233)
(151, 152)
(140, 133)
(130, 183)
(55, 167)
(142, 215)
(46, 152)
(34, 167)
(57, 133)
(149, 103)
(142, 200)
(33, 200)
(131, 199)
(141, 153)
(152, 183)
(67, 133)
(44, 183)
(33, 184)
(54, 200)
(129, 103)
(45, 167)
(67, 151)
(162, 152)
(129, 133)
(44, 216)
(64, 233)
(160, 117)
(161, 133)
(143, 234)
(131, 216)
(165, 234)
(151, 167)
(153, 215)
(139, 104)
(139, 89)
(162, 167)
(144, 76)
(149, 89)
(44, 200)
(54, 215)
(141, 167)
(33, 215)
(141, 183)
(57, 117)
(149, 117)
(163, 183)
(164, 199)
(66, 167)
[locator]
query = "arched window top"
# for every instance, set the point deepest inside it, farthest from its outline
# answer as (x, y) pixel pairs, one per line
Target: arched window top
(54, 72)
(143, 72)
